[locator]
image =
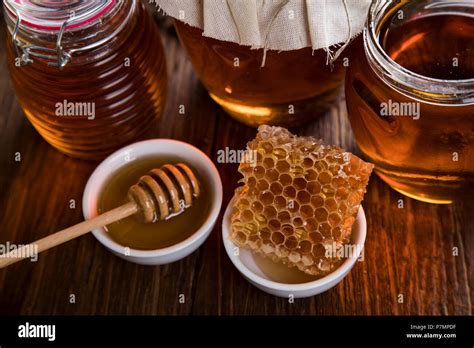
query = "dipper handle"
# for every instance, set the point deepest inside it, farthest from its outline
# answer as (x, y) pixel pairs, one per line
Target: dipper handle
(161, 194)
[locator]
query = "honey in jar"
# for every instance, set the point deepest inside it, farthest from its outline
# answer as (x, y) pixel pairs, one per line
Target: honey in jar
(291, 88)
(410, 97)
(89, 75)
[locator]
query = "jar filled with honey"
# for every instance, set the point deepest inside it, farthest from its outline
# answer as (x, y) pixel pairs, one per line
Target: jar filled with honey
(89, 75)
(269, 62)
(410, 97)
(293, 87)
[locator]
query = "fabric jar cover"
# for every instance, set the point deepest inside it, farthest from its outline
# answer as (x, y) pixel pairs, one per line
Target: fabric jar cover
(275, 24)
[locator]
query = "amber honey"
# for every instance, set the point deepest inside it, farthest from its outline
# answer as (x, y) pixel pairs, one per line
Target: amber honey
(106, 96)
(280, 273)
(291, 88)
(133, 234)
(426, 152)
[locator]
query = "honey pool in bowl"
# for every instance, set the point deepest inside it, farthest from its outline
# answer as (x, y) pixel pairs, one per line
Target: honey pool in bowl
(133, 234)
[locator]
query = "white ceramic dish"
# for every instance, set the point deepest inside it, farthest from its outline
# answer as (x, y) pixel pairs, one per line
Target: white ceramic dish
(246, 263)
(167, 147)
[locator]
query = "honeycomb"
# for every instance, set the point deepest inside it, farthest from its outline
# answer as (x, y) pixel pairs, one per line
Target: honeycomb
(298, 198)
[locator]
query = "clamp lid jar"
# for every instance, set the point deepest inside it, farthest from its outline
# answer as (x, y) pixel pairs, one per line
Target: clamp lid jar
(89, 75)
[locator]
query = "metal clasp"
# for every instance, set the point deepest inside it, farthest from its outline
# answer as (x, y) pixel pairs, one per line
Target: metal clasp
(58, 57)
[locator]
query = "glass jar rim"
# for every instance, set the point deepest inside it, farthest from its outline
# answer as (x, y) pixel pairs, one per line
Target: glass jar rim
(45, 18)
(49, 42)
(404, 80)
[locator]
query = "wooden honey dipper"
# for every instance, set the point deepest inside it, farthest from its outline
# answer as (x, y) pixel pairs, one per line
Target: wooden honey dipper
(155, 197)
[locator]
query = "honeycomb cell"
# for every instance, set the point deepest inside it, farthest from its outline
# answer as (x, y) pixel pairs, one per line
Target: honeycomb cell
(240, 237)
(261, 219)
(296, 170)
(324, 265)
(311, 224)
(262, 185)
(259, 172)
(338, 182)
(250, 228)
(272, 174)
(303, 197)
(298, 199)
(268, 163)
(336, 232)
(285, 179)
(308, 163)
(294, 257)
(334, 219)
(307, 260)
(266, 147)
(342, 193)
(311, 175)
(266, 197)
(278, 238)
(318, 251)
(284, 217)
(276, 188)
(290, 192)
(274, 225)
(334, 169)
(257, 206)
(316, 237)
(325, 178)
(291, 242)
(280, 202)
(325, 229)
(298, 222)
(353, 182)
(255, 242)
(306, 211)
(317, 201)
(342, 207)
(305, 246)
(246, 215)
(251, 182)
(328, 190)
(265, 233)
(299, 183)
(300, 233)
(280, 153)
(269, 211)
(282, 167)
(331, 205)
(321, 214)
(288, 230)
(268, 246)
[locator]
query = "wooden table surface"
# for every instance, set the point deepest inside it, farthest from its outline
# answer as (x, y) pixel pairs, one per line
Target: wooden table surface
(409, 251)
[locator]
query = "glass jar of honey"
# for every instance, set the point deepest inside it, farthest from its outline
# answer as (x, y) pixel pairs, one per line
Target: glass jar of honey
(410, 96)
(89, 75)
(291, 88)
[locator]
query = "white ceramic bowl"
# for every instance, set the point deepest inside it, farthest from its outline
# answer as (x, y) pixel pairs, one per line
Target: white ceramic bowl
(166, 147)
(246, 263)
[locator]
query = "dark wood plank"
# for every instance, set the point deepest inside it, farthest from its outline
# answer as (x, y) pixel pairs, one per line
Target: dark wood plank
(409, 251)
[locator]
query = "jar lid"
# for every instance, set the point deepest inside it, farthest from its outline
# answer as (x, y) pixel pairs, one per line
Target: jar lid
(275, 25)
(51, 15)
(52, 19)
